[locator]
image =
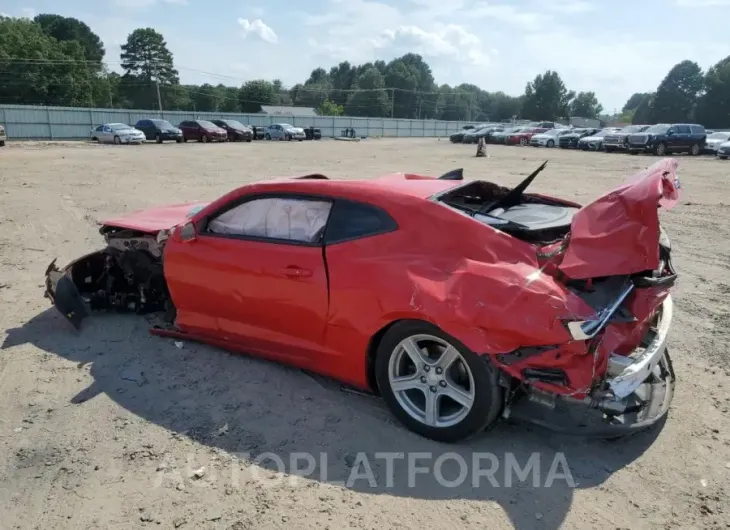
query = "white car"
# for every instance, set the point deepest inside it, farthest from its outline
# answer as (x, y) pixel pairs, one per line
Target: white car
(595, 142)
(549, 138)
(117, 133)
(715, 140)
(284, 131)
(723, 151)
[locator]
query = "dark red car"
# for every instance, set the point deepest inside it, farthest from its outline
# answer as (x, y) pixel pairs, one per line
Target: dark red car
(202, 131)
(456, 301)
(522, 137)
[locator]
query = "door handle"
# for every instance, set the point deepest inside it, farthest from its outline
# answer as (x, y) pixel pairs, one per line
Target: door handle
(293, 271)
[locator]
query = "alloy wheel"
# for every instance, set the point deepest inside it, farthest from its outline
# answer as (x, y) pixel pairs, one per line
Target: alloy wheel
(431, 381)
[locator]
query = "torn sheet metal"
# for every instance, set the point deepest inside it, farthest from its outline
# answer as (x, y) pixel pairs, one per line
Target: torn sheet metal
(153, 220)
(618, 233)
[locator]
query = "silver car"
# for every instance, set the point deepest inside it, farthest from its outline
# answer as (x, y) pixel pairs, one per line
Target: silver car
(117, 133)
(284, 131)
(715, 140)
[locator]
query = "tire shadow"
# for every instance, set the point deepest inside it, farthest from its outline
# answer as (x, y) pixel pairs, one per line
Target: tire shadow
(262, 413)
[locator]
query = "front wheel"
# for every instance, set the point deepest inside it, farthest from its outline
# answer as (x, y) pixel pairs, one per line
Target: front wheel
(609, 149)
(288, 138)
(722, 158)
(267, 136)
(204, 139)
(550, 143)
(179, 140)
(523, 141)
(158, 138)
(660, 149)
(435, 385)
(117, 140)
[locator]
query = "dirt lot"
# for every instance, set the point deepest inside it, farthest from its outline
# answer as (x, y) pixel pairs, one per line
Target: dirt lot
(112, 428)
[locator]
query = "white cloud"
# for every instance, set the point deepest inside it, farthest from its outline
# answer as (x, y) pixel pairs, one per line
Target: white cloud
(702, 3)
(450, 41)
(258, 28)
(515, 16)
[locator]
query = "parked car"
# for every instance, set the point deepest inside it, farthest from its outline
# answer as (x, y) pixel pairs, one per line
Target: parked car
(499, 137)
(284, 131)
(485, 132)
(285, 269)
(595, 141)
(570, 139)
(117, 133)
(3, 136)
(313, 133)
(259, 132)
(203, 131)
(236, 131)
(715, 140)
(547, 125)
(549, 138)
(619, 141)
(159, 130)
(663, 138)
(723, 151)
(458, 137)
(522, 137)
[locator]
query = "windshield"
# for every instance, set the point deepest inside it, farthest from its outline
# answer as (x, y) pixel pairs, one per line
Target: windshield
(207, 124)
(719, 136)
(286, 126)
(513, 130)
(659, 128)
(119, 126)
(163, 124)
(632, 129)
(604, 132)
(234, 124)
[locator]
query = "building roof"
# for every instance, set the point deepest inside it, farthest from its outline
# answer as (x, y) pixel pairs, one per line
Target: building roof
(287, 111)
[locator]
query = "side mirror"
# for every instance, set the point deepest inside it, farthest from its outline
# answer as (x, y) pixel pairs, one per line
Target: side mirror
(187, 232)
(670, 132)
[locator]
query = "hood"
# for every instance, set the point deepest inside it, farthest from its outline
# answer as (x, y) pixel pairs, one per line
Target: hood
(618, 233)
(725, 144)
(155, 219)
(545, 136)
(295, 129)
(716, 141)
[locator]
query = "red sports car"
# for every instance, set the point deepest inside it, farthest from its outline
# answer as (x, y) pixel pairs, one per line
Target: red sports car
(454, 300)
(523, 136)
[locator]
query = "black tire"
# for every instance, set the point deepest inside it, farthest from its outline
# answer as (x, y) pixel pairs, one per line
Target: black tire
(660, 149)
(523, 141)
(695, 150)
(722, 157)
(610, 149)
(488, 394)
(158, 138)
(2, 143)
(93, 139)
(550, 143)
(185, 139)
(249, 140)
(117, 140)
(267, 136)
(288, 138)
(204, 138)
(179, 140)
(634, 152)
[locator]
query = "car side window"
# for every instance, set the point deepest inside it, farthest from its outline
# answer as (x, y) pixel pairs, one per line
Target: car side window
(99, 128)
(681, 129)
(280, 218)
(697, 129)
(353, 220)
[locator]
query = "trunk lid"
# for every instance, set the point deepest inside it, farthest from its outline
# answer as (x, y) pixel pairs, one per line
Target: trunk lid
(618, 233)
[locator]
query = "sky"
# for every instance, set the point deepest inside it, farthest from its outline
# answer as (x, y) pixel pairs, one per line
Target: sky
(612, 48)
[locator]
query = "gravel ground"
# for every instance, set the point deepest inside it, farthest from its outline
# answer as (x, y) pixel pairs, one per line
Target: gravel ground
(112, 428)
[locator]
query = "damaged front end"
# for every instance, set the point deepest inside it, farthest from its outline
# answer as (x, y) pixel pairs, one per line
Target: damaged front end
(126, 276)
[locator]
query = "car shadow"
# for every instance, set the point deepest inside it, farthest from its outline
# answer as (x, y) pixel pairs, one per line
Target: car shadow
(262, 413)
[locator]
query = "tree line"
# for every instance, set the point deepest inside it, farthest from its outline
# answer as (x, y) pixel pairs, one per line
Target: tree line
(55, 60)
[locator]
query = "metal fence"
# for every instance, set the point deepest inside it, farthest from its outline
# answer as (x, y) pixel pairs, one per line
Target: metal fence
(66, 123)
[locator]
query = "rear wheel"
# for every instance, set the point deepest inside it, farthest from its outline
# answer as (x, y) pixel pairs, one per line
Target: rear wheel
(267, 136)
(435, 385)
(695, 150)
(158, 138)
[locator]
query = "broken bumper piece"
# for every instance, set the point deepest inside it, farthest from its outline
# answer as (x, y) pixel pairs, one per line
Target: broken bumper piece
(639, 391)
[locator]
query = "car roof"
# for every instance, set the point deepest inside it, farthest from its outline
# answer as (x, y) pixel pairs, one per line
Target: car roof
(385, 188)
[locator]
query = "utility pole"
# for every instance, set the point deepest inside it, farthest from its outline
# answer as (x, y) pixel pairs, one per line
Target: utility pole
(159, 99)
(109, 87)
(392, 101)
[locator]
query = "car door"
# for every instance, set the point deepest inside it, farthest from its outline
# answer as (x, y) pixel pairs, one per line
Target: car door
(254, 275)
(106, 134)
(679, 139)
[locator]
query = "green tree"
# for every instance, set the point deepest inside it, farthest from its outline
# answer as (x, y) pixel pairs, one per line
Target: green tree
(371, 99)
(713, 108)
(255, 93)
(205, 98)
(504, 107)
(330, 108)
(228, 98)
(642, 114)
(36, 69)
(547, 98)
(145, 56)
(635, 100)
(343, 77)
(65, 29)
(676, 96)
(586, 105)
